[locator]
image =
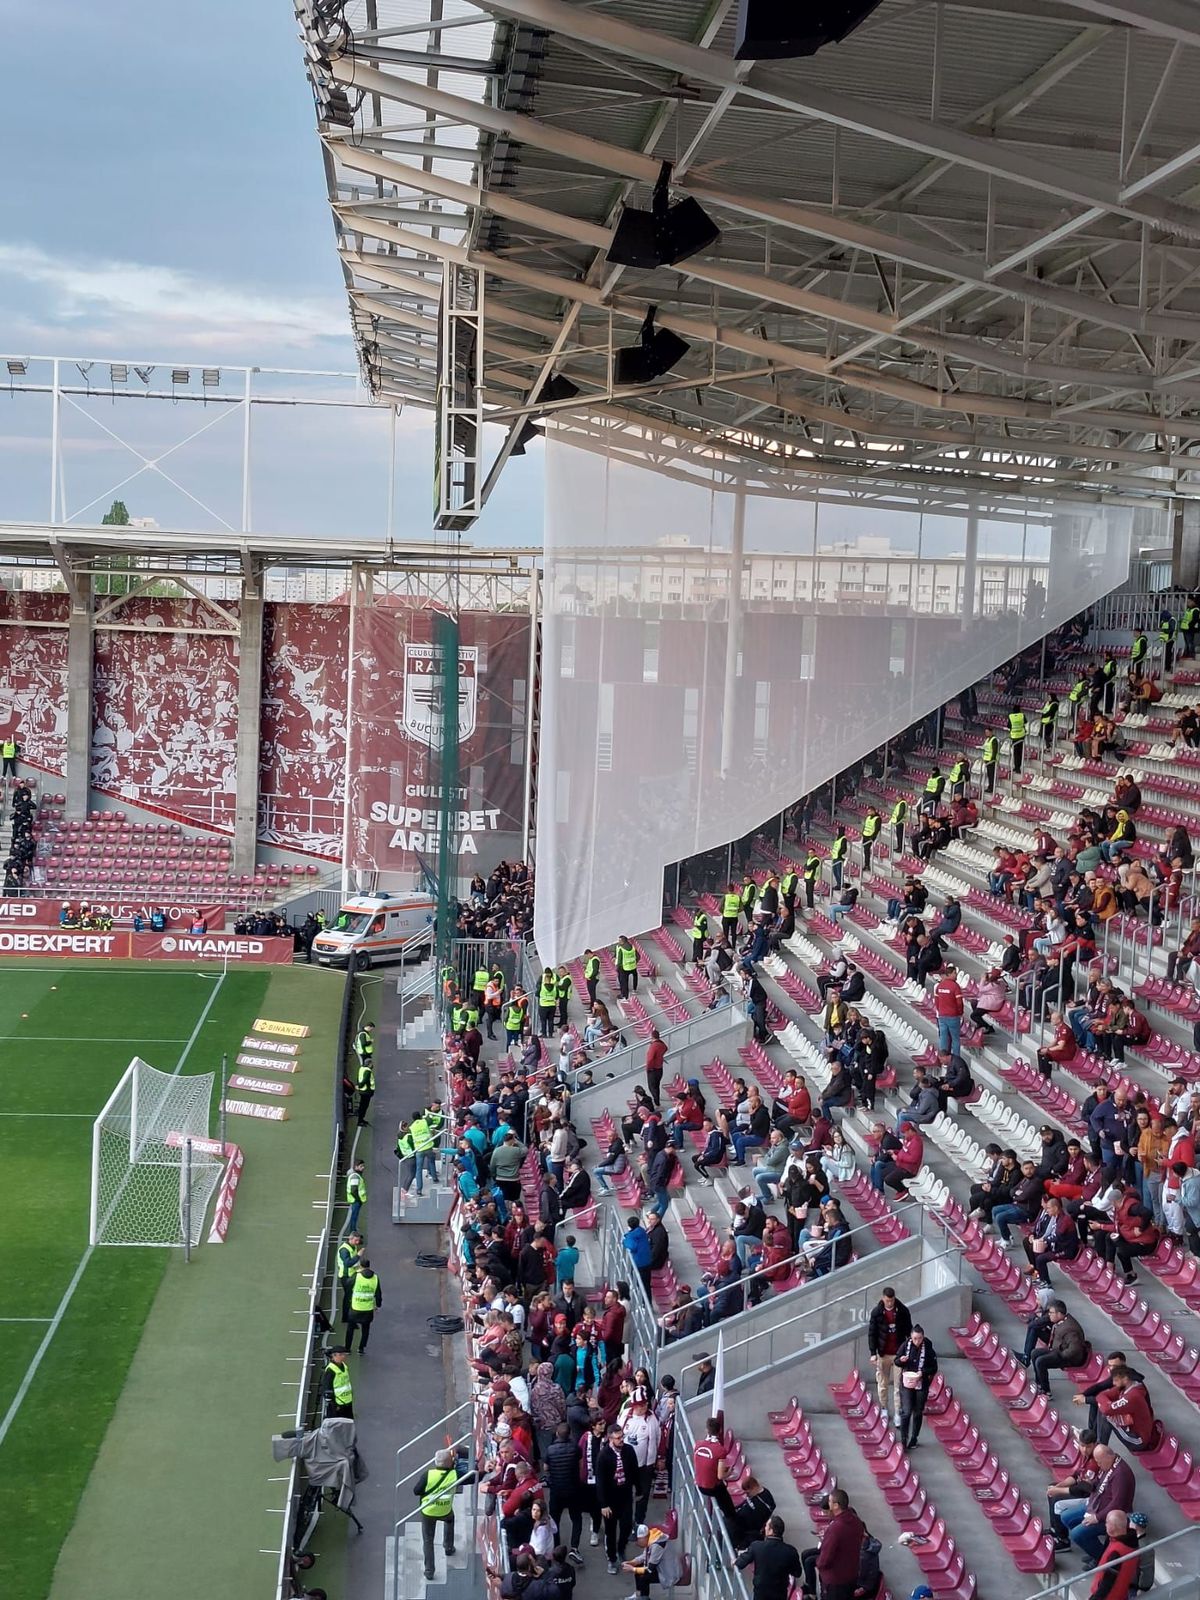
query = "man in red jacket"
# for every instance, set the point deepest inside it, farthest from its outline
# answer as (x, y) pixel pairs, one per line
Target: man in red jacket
(948, 1004)
(1129, 1409)
(656, 1054)
(1116, 1582)
(1063, 1047)
(835, 1561)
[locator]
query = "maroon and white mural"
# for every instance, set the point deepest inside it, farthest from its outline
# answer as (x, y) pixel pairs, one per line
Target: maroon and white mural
(302, 759)
(164, 730)
(33, 677)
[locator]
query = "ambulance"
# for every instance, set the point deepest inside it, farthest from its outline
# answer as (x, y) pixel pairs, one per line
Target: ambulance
(378, 927)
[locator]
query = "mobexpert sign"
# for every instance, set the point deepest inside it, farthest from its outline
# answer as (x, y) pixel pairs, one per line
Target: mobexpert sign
(146, 946)
(31, 942)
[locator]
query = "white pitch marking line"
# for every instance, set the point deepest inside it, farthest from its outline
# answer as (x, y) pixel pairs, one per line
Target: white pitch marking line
(42, 1320)
(75, 1038)
(90, 1114)
(18, 1400)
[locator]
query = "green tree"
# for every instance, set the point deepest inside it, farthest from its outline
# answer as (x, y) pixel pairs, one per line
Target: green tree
(117, 516)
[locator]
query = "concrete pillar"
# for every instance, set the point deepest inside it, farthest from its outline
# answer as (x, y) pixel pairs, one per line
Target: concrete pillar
(970, 562)
(1185, 546)
(250, 653)
(79, 700)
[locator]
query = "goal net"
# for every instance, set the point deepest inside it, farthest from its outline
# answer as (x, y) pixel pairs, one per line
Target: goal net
(145, 1180)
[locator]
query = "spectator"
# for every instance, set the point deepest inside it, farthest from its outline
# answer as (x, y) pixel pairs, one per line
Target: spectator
(1054, 1238)
(710, 1467)
(1118, 1560)
(616, 1478)
(1021, 1205)
(948, 1006)
(713, 1154)
(917, 1363)
(923, 1104)
(1126, 1406)
(836, 1560)
(749, 1519)
(1065, 1343)
(1078, 1485)
(636, 1242)
(1114, 1491)
(888, 1328)
(1090, 1396)
(990, 999)
(1062, 1048)
(659, 1562)
(776, 1563)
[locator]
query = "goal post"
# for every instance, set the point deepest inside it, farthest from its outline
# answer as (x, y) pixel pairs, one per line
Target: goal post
(143, 1183)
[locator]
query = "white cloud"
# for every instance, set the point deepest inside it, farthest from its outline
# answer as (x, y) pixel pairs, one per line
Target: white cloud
(163, 310)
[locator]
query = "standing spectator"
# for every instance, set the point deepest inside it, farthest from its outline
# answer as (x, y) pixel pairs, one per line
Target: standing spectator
(656, 1054)
(917, 1362)
(643, 1434)
(616, 1478)
(887, 1330)
(948, 1004)
(709, 1467)
(636, 1241)
(776, 1563)
(836, 1559)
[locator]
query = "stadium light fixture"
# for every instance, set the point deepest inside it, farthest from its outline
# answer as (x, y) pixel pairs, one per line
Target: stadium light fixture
(210, 377)
(118, 372)
(656, 352)
(180, 375)
(18, 366)
(665, 234)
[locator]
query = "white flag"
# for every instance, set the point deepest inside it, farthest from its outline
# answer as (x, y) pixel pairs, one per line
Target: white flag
(718, 1388)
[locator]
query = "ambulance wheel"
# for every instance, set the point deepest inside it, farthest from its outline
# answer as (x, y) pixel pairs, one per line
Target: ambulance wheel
(362, 961)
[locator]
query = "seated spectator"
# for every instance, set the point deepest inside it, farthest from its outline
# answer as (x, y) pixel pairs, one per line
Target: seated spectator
(1127, 1408)
(1021, 1205)
(1063, 1046)
(1114, 1491)
(1065, 1344)
(1054, 1238)
(1077, 1485)
(990, 999)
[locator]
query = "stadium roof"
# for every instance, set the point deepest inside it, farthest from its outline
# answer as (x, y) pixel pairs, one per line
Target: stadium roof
(961, 248)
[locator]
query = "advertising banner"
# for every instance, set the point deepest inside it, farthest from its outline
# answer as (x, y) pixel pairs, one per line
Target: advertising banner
(30, 913)
(211, 947)
(395, 731)
(120, 945)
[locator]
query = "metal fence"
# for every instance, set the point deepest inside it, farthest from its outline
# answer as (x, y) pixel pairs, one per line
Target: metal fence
(320, 1286)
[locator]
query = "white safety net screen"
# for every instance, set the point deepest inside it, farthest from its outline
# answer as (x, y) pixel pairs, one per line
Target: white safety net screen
(145, 1180)
(673, 722)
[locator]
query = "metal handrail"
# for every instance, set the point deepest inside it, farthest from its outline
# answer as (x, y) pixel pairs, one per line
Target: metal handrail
(826, 1304)
(1088, 1578)
(669, 1036)
(467, 1405)
(852, 1233)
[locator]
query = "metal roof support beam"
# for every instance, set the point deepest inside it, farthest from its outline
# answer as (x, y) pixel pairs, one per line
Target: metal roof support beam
(969, 270)
(876, 120)
(1168, 19)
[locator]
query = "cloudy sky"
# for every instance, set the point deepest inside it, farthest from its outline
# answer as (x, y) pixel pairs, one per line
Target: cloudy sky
(164, 203)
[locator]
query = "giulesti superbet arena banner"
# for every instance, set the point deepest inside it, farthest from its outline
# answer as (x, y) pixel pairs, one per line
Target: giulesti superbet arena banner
(396, 688)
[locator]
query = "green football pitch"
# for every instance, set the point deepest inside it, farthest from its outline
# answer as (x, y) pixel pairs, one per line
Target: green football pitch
(72, 1317)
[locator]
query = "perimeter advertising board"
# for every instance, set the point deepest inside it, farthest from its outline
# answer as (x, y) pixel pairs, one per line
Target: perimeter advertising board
(120, 945)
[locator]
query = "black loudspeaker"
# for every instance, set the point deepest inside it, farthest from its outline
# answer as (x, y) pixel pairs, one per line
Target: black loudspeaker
(656, 352)
(663, 235)
(770, 30)
(555, 387)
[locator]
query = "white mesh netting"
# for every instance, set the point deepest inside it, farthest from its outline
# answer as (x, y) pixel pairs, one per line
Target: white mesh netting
(859, 610)
(140, 1174)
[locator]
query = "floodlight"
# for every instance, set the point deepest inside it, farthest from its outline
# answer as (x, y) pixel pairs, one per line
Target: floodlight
(180, 375)
(118, 372)
(210, 377)
(17, 366)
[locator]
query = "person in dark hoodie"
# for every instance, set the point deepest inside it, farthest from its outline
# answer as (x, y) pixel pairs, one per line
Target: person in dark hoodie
(561, 1461)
